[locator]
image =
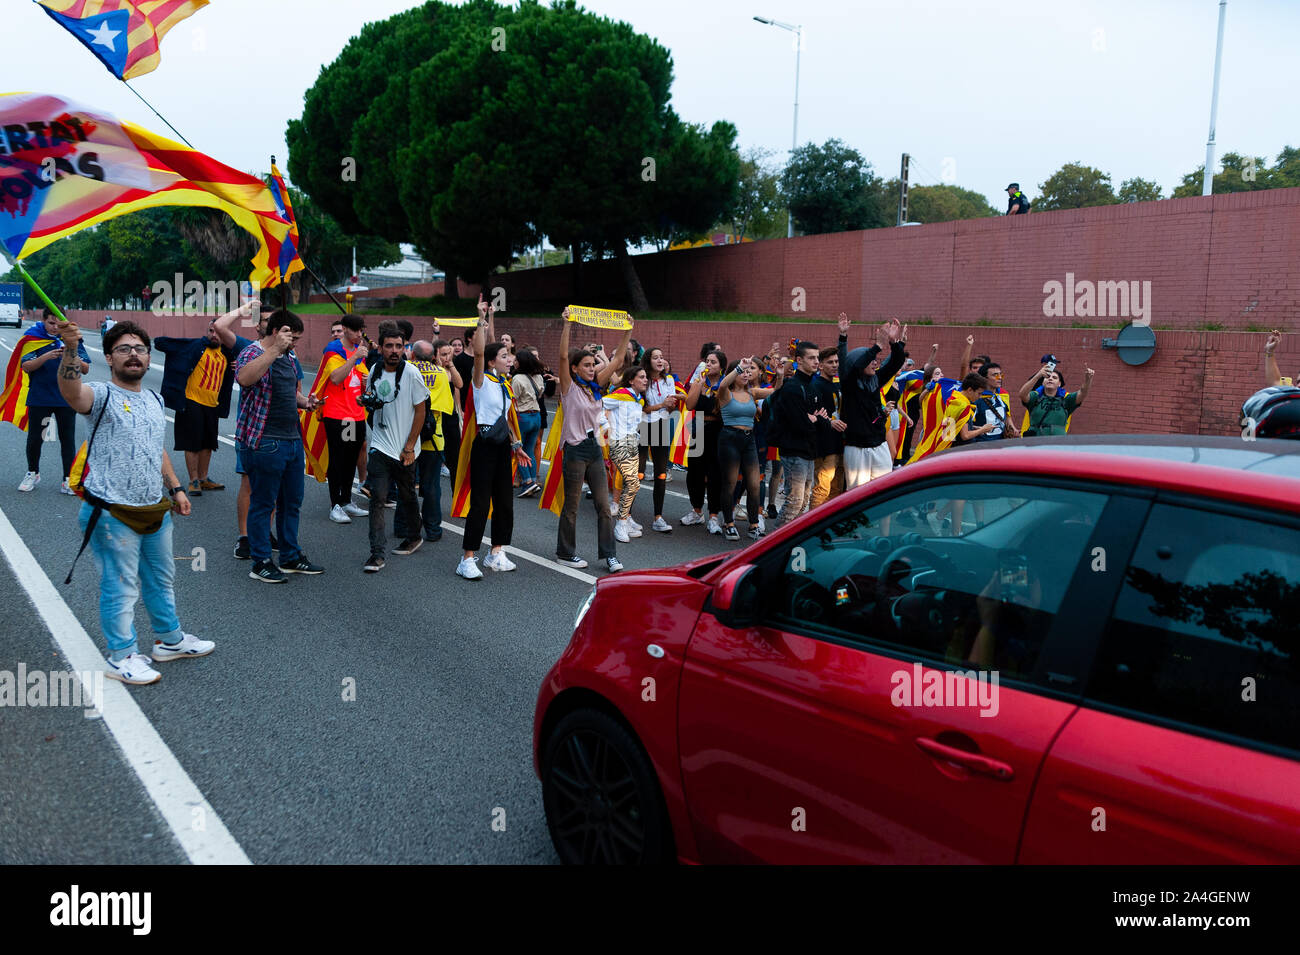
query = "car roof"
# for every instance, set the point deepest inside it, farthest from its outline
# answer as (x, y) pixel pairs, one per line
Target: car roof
(1264, 472)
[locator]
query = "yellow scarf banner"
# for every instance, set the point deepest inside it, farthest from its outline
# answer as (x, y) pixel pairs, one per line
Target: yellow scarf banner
(600, 317)
(471, 322)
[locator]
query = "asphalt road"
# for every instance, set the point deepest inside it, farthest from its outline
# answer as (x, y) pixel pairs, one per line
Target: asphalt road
(435, 748)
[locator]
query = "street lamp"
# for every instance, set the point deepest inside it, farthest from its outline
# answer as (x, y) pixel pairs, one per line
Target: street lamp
(794, 138)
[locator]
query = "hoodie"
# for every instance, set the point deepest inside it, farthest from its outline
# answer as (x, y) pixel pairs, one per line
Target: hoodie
(860, 404)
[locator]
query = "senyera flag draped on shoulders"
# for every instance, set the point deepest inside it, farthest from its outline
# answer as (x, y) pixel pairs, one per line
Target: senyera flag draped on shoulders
(124, 34)
(64, 168)
(315, 444)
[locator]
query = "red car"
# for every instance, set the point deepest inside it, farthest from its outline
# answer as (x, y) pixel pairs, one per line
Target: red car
(1069, 650)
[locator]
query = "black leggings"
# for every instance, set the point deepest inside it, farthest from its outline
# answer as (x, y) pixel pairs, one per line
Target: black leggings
(702, 472)
(37, 422)
(738, 457)
(490, 476)
(342, 457)
(658, 455)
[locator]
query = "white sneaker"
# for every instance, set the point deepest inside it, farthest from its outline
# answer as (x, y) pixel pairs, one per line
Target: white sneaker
(758, 530)
(446, 471)
(339, 516)
(741, 514)
(355, 510)
(468, 568)
(30, 481)
(662, 526)
(692, 517)
(633, 524)
(613, 509)
(714, 526)
(190, 646)
(613, 564)
(620, 532)
(633, 531)
(134, 669)
(498, 562)
(577, 563)
(67, 489)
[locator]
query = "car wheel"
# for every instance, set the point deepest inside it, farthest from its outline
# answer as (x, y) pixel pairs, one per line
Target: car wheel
(601, 795)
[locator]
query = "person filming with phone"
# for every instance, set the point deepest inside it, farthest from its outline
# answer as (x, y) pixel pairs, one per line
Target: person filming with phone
(1046, 399)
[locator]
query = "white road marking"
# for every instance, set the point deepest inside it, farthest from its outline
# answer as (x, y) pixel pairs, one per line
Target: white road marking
(162, 775)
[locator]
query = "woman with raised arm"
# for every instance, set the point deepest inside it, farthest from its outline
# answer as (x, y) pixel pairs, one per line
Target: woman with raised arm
(624, 412)
(702, 474)
(737, 454)
(581, 388)
(488, 453)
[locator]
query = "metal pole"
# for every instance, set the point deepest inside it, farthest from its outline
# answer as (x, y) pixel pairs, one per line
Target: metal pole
(902, 191)
(794, 138)
(1208, 181)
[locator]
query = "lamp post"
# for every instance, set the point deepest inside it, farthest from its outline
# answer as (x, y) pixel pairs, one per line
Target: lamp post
(1207, 180)
(794, 138)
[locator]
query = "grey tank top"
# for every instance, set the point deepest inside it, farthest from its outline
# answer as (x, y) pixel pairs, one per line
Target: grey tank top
(739, 414)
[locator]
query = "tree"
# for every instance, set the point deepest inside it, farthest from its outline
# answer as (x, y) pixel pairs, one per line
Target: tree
(942, 203)
(1075, 186)
(758, 211)
(1139, 190)
(327, 249)
(831, 188)
(1240, 174)
(484, 128)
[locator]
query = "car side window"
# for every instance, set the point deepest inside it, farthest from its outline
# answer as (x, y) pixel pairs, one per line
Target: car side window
(965, 573)
(1206, 629)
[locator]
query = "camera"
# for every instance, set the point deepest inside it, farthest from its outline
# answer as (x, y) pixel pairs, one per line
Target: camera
(371, 401)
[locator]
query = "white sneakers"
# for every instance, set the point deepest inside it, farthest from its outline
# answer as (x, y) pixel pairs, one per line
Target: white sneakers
(714, 526)
(135, 669)
(355, 510)
(635, 526)
(662, 526)
(67, 489)
(577, 563)
(613, 508)
(498, 562)
(758, 530)
(30, 481)
(740, 513)
(692, 517)
(339, 516)
(620, 532)
(468, 568)
(189, 647)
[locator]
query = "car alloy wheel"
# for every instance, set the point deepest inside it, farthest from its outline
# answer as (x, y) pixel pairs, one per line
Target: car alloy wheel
(601, 796)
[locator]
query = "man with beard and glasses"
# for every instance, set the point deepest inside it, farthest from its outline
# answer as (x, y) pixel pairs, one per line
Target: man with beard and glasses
(130, 492)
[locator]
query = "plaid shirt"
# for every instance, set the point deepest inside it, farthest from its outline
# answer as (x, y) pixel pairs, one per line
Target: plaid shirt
(255, 401)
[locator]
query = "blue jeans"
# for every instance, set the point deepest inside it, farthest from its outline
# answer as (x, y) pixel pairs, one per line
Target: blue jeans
(131, 565)
(799, 476)
(530, 426)
(275, 478)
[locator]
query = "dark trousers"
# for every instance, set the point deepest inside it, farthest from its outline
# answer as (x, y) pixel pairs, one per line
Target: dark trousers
(658, 456)
(343, 456)
(37, 421)
(451, 444)
(384, 471)
(702, 472)
(490, 477)
(738, 461)
(576, 470)
(428, 471)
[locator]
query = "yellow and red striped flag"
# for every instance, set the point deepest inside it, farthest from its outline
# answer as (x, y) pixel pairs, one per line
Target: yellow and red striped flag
(64, 168)
(13, 400)
(943, 403)
(315, 446)
(124, 34)
(460, 492)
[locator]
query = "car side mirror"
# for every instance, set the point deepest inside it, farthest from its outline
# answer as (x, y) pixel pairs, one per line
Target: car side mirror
(735, 597)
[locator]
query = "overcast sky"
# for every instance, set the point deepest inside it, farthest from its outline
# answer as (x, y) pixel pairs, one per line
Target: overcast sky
(980, 93)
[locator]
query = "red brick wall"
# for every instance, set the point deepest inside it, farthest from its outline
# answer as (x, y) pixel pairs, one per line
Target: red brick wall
(1232, 260)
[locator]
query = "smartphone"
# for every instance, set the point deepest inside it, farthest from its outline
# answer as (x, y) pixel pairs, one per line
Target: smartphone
(1051, 366)
(1013, 575)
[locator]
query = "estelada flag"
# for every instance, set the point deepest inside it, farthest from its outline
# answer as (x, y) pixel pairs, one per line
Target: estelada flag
(289, 261)
(679, 450)
(315, 445)
(13, 401)
(943, 400)
(124, 34)
(64, 168)
(909, 384)
(460, 492)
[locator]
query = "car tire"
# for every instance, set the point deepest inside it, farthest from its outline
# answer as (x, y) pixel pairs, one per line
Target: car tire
(601, 795)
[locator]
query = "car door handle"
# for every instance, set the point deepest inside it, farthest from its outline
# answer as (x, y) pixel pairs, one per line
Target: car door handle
(993, 768)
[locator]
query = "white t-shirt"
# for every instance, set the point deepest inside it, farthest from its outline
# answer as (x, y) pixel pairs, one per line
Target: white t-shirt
(390, 435)
(623, 417)
(489, 402)
(656, 393)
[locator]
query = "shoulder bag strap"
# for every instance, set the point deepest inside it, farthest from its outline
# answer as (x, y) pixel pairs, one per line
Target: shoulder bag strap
(98, 508)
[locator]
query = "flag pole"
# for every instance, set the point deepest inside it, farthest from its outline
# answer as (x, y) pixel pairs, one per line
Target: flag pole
(158, 114)
(40, 292)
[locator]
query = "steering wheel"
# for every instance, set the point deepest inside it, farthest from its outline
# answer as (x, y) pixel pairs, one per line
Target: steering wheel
(909, 608)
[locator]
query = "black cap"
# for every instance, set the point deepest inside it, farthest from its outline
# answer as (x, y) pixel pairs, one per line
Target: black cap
(1014, 185)
(1046, 358)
